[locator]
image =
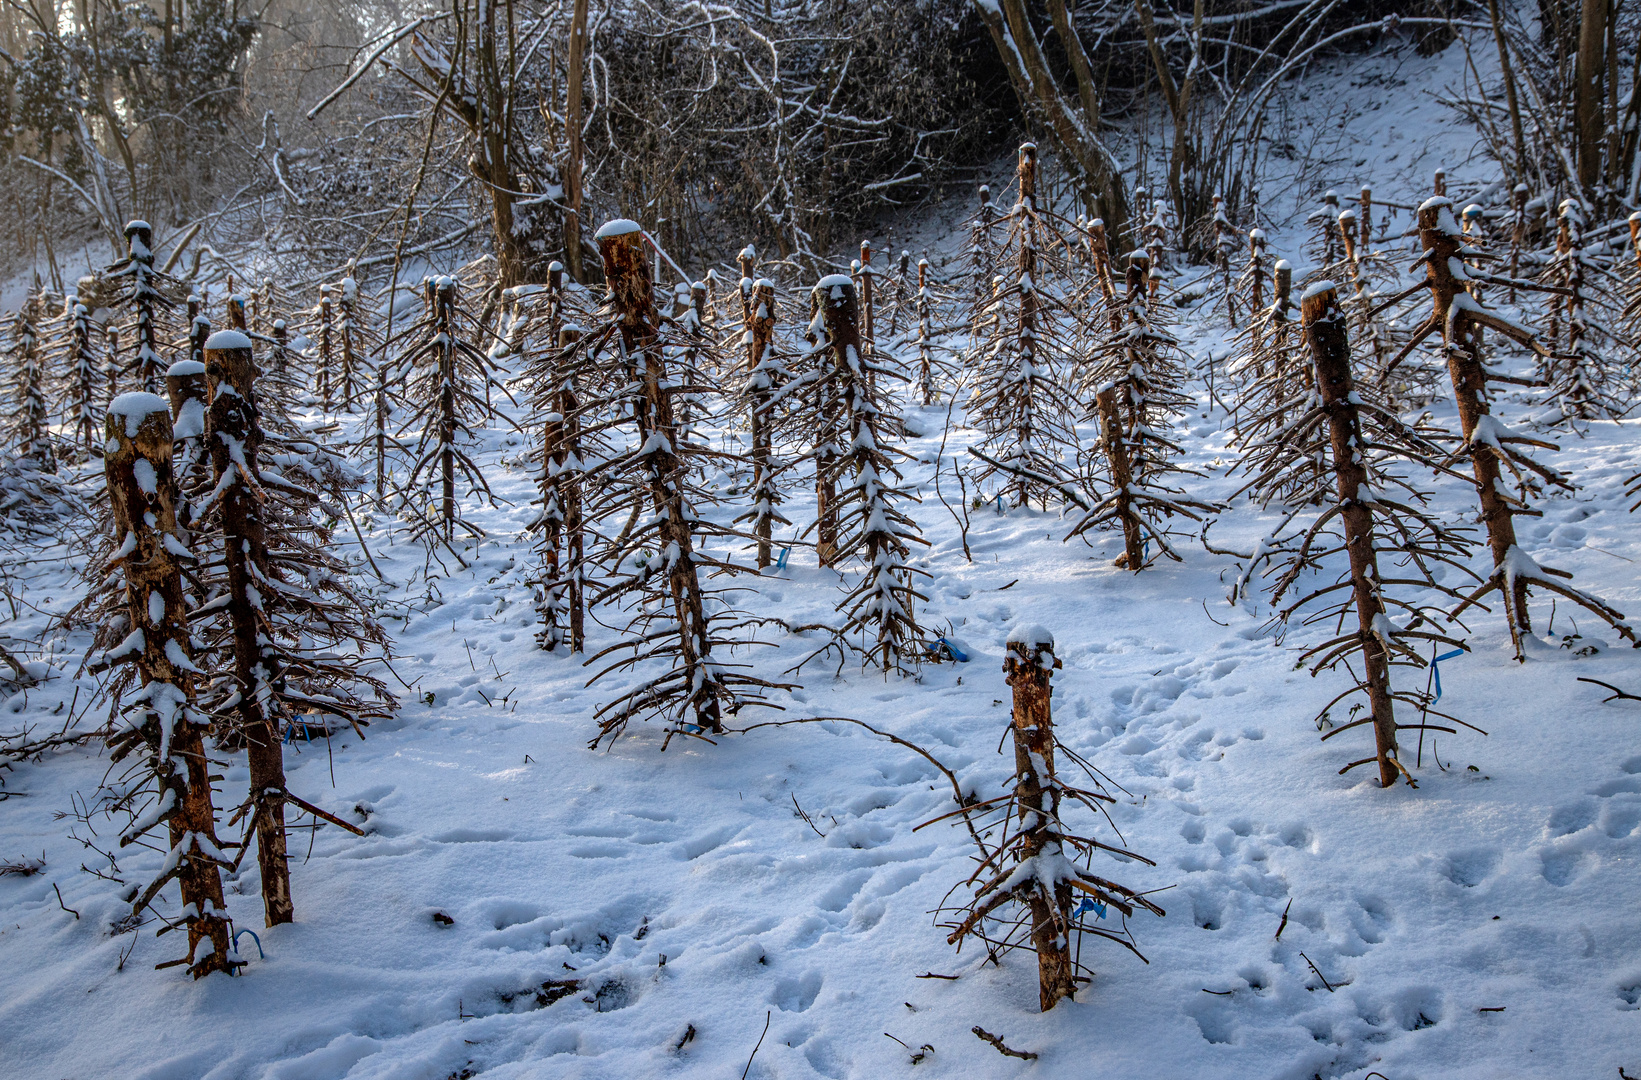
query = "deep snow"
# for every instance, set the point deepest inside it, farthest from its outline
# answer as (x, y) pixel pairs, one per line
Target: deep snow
(687, 892)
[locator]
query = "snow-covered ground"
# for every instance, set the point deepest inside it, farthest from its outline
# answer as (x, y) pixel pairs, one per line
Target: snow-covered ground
(1480, 926)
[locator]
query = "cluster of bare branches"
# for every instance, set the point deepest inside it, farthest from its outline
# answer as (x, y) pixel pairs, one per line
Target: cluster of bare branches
(1033, 886)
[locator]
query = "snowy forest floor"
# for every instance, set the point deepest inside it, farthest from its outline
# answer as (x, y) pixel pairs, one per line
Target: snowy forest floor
(1482, 925)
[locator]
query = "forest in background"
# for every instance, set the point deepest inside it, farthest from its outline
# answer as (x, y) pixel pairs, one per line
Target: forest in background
(289, 138)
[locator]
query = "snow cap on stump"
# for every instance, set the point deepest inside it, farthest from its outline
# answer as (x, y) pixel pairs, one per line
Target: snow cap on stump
(1032, 634)
(136, 407)
(617, 227)
(228, 339)
(181, 369)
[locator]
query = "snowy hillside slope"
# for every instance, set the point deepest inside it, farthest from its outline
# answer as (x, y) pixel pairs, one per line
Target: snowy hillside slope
(1482, 925)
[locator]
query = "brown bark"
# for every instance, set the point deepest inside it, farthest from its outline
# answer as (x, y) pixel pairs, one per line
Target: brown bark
(632, 294)
(443, 299)
(1464, 366)
(925, 376)
(1518, 232)
(1038, 91)
(867, 297)
(1256, 290)
(150, 370)
(325, 347)
(1029, 665)
(281, 336)
(1100, 248)
(572, 123)
(234, 436)
(574, 525)
(1588, 113)
(1512, 102)
(1114, 438)
(761, 334)
(1282, 302)
(145, 510)
(1324, 322)
(1026, 271)
(556, 451)
(826, 512)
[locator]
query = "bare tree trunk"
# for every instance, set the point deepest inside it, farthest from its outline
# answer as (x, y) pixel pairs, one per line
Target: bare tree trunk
(574, 526)
(572, 124)
(1510, 98)
(867, 295)
(325, 347)
(1114, 438)
(1029, 665)
(444, 314)
(381, 427)
(1587, 106)
(235, 438)
(150, 369)
(1324, 322)
(1256, 290)
(142, 494)
(1076, 136)
(632, 293)
(925, 334)
(826, 514)
(1026, 339)
(761, 335)
(1464, 365)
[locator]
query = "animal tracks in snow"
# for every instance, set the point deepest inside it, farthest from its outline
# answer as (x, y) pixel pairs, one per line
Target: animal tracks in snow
(1581, 831)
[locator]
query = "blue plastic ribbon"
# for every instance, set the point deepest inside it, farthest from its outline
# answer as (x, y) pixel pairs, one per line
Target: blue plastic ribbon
(1436, 668)
(1089, 904)
(953, 651)
(240, 933)
(780, 564)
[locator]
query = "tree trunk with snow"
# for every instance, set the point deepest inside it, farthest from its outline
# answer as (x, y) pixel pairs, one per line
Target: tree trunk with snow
(760, 333)
(142, 496)
(1028, 666)
(235, 438)
(1443, 246)
(1324, 322)
(1114, 441)
(621, 244)
(326, 359)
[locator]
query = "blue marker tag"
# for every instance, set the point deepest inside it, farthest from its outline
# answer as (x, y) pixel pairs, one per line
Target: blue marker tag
(780, 564)
(1436, 668)
(1089, 904)
(953, 651)
(241, 933)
